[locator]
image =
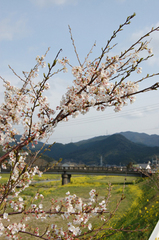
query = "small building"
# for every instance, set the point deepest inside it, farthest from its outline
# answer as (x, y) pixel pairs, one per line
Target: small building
(68, 164)
(143, 166)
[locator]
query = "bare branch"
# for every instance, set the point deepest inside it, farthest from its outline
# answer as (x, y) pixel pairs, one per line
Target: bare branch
(73, 43)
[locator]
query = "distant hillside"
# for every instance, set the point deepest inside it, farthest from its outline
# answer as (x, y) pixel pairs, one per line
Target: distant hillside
(99, 138)
(1, 151)
(143, 138)
(114, 149)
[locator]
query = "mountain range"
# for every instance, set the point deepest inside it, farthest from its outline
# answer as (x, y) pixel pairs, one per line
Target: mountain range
(115, 149)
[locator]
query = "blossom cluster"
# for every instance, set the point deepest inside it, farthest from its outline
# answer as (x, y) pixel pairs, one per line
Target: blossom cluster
(20, 107)
(21, 176)
(93, 85)
(71, 208)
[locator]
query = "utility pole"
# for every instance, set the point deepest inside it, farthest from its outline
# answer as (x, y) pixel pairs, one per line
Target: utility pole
(101, 161)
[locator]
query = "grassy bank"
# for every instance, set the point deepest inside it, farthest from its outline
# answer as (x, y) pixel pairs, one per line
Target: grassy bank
(142, 213)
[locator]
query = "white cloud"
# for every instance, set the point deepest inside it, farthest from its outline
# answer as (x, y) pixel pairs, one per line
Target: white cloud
(11, 29)
(46, 3)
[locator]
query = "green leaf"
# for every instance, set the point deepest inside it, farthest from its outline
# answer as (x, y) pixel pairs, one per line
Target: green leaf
(54, 63)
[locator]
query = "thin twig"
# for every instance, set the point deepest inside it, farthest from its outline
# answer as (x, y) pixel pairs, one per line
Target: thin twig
(73, 43)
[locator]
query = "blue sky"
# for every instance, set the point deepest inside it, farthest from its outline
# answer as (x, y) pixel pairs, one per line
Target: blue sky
(28, 28)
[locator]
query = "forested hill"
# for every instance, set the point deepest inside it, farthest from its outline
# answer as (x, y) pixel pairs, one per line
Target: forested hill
(114, 149)
(143, 138)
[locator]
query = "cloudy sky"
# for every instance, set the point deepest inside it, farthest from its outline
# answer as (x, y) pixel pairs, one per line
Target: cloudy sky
(28, 28)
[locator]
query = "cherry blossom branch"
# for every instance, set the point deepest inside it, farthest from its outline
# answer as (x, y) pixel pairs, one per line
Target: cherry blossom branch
(18, 147)
(33, 235)
(114, 230)
(54, 212)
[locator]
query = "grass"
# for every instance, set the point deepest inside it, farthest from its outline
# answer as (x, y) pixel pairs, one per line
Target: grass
(139, 208)
(143, 212)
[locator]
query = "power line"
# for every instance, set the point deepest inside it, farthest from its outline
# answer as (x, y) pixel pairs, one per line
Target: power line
(96, 118)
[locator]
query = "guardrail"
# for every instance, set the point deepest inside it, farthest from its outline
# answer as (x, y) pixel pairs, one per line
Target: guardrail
(96, 169)
(67, 171)
(155, 233)
(58, 168)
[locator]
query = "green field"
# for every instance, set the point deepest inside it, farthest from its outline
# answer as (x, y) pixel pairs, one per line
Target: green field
(138, 209)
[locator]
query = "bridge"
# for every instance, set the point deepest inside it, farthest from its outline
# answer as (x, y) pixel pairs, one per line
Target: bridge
(66, 172)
